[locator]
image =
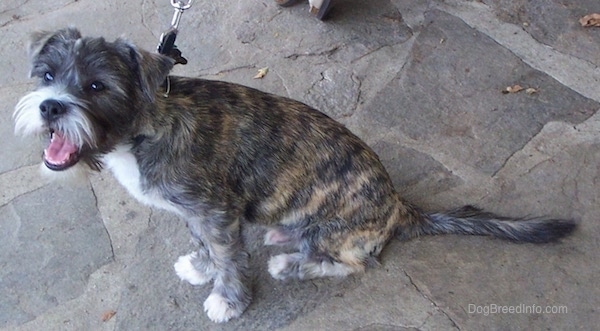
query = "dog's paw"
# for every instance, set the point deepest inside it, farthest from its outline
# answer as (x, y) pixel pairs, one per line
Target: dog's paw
(219, 310)
(276, 237)
(277, 264)
(282, 266)
(185, 270)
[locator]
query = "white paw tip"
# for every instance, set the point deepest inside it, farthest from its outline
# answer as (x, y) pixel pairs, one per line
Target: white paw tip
(218, 310)
(185, 270)
(277, 264)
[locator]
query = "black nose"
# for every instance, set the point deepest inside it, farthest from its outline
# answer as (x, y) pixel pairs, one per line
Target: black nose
(52, 109)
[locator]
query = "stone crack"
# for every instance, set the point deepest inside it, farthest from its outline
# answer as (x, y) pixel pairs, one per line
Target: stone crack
(110, 240)
(430, 300)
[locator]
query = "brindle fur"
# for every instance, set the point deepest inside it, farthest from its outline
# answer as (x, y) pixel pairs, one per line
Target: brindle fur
(220, 154)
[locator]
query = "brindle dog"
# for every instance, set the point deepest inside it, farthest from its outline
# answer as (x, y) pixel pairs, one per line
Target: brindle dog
(219, 154)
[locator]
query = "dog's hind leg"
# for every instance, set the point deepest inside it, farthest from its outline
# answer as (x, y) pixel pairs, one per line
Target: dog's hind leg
(301, 266)
(227, 264)
(280, 236)
(334, 248)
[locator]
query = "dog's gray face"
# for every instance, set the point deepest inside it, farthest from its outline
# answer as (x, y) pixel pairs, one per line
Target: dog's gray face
(88, 95)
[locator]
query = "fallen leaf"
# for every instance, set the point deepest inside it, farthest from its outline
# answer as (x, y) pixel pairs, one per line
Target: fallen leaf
(108, 315)
(261, 73)
(590, 20)
(531, 90)
(512, 89)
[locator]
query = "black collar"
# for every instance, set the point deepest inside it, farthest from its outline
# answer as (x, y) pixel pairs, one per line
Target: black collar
(138, 140)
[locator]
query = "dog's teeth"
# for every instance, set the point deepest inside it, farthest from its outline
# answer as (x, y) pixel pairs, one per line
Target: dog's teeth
(60, 151)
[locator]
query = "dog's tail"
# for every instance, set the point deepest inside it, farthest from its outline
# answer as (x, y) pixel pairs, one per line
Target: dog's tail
(474, 221)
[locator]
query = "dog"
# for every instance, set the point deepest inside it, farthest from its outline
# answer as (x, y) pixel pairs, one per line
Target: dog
(219, 154)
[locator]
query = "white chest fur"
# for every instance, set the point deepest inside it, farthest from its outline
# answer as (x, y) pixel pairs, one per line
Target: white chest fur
(124, 166)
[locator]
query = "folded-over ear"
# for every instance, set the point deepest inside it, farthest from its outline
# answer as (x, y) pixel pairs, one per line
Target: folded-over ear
(40, 39)
(152, 69)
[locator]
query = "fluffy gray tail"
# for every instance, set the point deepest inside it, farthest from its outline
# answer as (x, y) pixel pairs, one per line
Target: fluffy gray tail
(474, 221)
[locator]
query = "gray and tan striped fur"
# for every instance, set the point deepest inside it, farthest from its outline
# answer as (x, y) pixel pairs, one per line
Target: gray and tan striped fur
(220, 154)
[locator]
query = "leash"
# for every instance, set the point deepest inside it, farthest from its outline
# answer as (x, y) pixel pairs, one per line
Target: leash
(166, 45)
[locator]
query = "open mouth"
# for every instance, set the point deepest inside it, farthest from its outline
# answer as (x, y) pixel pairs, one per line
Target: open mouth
(60, 153)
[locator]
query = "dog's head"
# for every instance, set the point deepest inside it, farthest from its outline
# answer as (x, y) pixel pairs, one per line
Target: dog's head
(89, 95)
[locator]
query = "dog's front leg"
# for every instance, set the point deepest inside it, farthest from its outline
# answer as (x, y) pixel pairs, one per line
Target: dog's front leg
(223, 259)
(195, 268)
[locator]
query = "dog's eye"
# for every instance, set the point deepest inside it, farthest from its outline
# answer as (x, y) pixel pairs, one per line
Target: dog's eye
(48, 77)
(97, 86)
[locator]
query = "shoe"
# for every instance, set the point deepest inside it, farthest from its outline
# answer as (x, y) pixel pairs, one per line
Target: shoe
(321, 8)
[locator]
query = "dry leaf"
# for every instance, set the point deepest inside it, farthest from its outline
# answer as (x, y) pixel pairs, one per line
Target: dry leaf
(261, 73)
(531, 90)
(108, 315)
(512, 89)
(590, 20)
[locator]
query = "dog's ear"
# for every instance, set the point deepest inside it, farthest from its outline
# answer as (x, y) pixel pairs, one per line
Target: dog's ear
(40, 39)
(152, 69)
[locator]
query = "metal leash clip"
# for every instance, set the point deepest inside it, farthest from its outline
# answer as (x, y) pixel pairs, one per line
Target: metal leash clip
(166, 44)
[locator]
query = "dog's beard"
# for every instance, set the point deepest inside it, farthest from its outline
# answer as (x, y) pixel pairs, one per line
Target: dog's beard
(68, 133)
(76, 174)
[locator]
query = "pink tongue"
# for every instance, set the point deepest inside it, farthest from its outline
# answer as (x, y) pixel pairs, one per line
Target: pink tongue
(60, 149)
